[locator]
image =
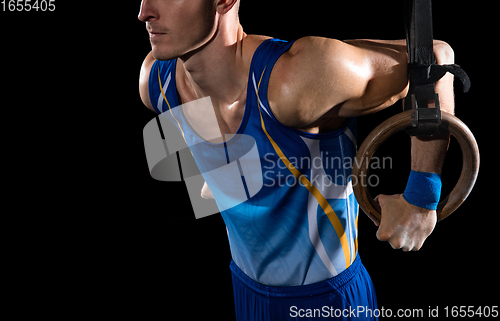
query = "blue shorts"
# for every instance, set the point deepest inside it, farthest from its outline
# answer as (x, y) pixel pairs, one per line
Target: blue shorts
(348, 296)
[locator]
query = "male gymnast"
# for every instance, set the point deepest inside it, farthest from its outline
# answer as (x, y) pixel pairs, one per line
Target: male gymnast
(294, 246)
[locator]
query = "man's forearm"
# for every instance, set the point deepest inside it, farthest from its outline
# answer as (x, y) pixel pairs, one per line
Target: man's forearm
(407, 224)
(428, 154)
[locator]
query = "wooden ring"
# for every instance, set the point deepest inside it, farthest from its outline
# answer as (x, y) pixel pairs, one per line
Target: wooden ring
(397, 123)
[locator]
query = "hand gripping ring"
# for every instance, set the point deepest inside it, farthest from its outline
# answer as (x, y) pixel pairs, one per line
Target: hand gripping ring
(399, 122)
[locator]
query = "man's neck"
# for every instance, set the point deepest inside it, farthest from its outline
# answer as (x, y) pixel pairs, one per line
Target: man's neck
(217, 69)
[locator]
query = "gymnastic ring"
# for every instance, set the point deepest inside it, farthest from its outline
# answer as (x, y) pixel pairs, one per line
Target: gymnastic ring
(399, 122)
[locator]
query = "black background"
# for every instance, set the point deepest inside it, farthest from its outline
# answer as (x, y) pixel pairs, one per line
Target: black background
(90, 233)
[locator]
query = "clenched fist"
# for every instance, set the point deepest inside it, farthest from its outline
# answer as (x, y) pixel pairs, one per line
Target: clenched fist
(403, 225)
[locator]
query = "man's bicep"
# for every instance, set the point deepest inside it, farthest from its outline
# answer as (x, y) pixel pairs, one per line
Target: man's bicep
(388, 81)
(316, 75)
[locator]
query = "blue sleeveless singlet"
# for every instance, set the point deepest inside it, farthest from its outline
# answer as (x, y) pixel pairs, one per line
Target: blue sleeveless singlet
(298, 223)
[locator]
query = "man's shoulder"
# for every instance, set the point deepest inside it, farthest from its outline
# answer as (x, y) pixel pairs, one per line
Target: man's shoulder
(311, 66)
(144, 80)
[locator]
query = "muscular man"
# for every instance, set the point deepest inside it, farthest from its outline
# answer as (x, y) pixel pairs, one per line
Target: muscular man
(294, 246)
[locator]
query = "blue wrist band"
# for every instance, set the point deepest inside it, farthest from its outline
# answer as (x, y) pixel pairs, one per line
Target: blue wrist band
(423, 190)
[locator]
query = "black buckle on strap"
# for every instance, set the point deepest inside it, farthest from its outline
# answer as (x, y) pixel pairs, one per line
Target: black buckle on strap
(425, 121)
(423, 70)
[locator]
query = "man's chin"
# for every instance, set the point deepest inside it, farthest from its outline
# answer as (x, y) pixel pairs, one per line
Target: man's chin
(163, 57)
(160, 53)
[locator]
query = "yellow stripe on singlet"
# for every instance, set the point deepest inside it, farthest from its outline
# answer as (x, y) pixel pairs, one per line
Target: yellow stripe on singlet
(330, 213)
(356, 240)
(166, 100)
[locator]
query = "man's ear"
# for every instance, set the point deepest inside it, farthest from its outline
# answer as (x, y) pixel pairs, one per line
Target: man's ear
(224, 6)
